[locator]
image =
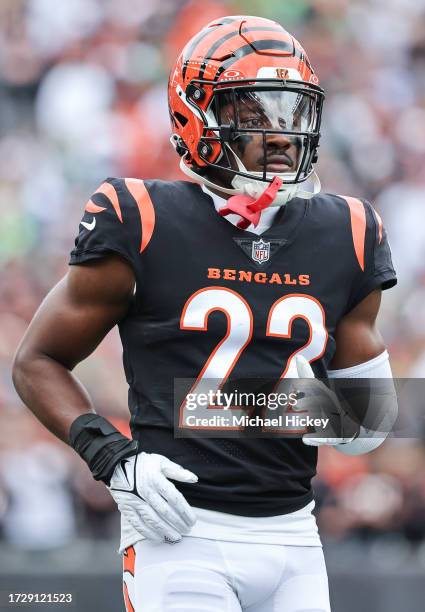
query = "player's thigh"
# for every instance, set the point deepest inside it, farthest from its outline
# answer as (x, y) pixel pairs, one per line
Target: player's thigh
(189, 575)
(303, 586)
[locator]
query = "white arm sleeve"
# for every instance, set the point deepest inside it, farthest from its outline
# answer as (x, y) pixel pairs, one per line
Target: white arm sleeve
(369, 439)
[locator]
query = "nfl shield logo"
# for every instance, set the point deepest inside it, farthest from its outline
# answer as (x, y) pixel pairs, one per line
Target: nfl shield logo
(260, 251)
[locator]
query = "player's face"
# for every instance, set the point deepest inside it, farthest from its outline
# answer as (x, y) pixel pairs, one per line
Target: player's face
(269, 110)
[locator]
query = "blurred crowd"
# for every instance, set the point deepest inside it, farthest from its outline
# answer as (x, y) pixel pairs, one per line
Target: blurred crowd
(83, 97)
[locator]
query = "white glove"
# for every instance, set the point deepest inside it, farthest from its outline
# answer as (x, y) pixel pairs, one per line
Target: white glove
(318, 393)
(149, 501)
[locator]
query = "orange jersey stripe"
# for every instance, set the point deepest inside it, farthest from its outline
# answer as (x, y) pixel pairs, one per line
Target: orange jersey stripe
(358, 227)
(110, 192)
(147, 212)
(129, 562)
(129, 559)
(128, 605)
(91, 207)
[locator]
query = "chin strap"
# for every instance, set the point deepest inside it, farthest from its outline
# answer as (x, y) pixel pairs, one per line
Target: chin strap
(255, 188)
(248, 208)
(202, 179)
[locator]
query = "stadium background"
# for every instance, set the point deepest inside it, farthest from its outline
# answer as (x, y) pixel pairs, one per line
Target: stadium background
(83, 97)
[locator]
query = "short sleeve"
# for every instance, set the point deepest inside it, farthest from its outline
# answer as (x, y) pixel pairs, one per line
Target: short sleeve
(377, 269)
(111, 223)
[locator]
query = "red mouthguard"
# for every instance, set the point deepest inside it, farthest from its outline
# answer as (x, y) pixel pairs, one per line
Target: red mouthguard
(249, 209)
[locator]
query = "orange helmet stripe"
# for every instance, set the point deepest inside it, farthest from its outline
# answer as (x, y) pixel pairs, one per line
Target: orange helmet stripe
(146, 210)
(221, 41)
(188, 55)
(265, 46)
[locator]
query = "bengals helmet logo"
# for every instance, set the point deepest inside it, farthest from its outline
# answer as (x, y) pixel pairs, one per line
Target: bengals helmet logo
(282, 73)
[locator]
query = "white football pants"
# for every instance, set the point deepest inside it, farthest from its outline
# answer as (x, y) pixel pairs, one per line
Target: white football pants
(200, 575)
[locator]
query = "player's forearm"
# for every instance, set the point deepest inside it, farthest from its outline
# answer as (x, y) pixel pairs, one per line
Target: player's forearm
(370, 387)
(51, 392)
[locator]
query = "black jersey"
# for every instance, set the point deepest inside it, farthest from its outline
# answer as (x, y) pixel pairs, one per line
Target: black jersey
(214, 300)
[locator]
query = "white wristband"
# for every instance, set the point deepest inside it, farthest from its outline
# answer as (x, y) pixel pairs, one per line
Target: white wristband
(368, 439)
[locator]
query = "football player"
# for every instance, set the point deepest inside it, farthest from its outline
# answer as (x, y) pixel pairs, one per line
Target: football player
(245, 271)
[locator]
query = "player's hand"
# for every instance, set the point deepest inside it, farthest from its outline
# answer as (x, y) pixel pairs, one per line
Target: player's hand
(149, 501)
(322, 401)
